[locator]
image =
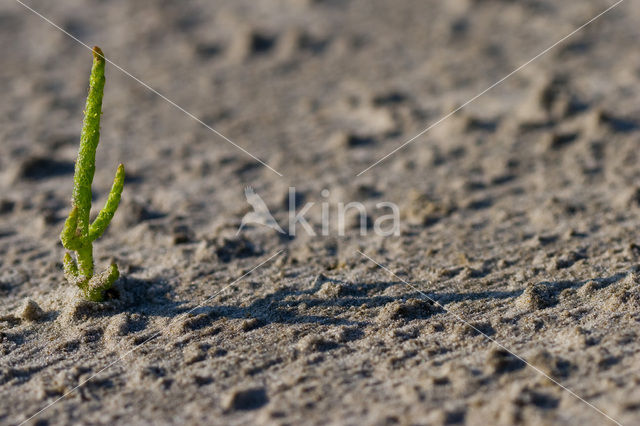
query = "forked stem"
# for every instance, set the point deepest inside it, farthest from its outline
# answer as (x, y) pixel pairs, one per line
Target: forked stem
(78, 233)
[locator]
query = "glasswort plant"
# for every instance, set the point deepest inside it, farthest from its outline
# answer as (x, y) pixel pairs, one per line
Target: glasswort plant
(78, 233)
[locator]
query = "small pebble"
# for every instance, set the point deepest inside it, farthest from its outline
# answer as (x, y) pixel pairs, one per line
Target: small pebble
(30, 311)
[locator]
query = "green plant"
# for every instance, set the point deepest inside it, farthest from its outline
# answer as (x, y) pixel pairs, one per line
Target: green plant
(79, 233)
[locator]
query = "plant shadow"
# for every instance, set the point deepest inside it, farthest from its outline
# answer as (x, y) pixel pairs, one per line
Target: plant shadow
(329, 298)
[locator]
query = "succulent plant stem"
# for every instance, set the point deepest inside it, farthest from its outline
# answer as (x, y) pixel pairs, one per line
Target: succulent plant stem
(79, 233)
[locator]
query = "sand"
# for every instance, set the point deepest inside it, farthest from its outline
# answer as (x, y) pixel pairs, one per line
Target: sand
(519, 214)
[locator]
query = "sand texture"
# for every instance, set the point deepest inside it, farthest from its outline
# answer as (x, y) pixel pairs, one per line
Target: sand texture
(519, 213)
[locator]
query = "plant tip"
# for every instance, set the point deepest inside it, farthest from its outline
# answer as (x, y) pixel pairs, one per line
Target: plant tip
(97, 53)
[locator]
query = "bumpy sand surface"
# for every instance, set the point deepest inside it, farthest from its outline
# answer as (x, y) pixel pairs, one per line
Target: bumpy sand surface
(519, 214)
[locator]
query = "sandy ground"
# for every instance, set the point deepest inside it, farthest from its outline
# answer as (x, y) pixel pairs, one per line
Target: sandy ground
(519, 214)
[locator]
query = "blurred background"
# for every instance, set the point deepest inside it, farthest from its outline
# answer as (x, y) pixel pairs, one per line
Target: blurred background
(319, 91)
